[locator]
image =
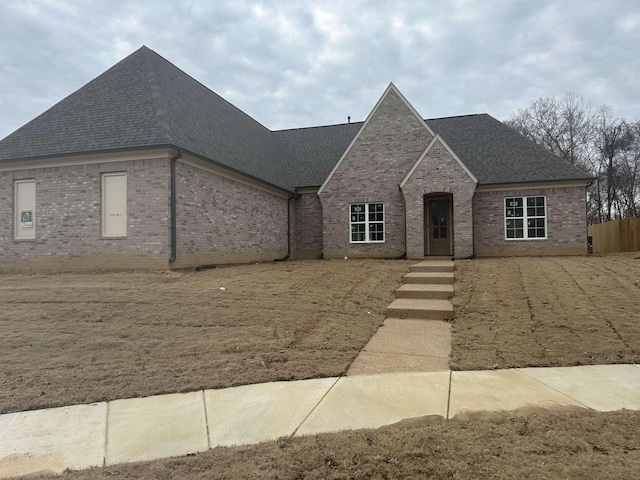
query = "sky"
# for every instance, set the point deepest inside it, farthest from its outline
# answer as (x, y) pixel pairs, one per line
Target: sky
(291, 64)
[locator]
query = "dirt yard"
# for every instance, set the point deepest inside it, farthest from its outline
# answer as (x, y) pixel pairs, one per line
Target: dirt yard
(555, 311)
(80, 338)
(69, 338)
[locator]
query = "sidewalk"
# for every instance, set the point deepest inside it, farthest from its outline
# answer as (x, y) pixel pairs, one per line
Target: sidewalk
(148, 428)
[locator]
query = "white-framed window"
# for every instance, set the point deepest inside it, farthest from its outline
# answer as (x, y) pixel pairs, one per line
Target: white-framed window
(24, 218)
(525, 218)
(114, 204)
(366, 222)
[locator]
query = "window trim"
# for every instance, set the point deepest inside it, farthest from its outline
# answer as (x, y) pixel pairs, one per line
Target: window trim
(17, 213)
(367, 223)
(103, 204)
(525, 218)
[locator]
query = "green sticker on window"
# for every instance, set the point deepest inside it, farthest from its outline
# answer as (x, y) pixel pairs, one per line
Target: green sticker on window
(26, 219)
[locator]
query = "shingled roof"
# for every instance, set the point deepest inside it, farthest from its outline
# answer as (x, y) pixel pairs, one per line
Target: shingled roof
(144, 101)
(498, 154)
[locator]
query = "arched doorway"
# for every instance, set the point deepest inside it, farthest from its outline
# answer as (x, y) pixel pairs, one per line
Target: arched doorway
(438, 224)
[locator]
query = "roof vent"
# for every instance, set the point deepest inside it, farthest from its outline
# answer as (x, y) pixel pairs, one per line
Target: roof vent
(349, 119)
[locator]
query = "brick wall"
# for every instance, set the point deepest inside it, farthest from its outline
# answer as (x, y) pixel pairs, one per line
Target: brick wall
(566, 223)
(306, 240)
(439, 172)
(381, 156)
(220, 220)
(68, 219)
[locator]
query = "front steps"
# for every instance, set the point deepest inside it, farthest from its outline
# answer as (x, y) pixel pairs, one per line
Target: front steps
(414, 337)
(420, 309)
(441, 278)
(426, 293)
(432, 266)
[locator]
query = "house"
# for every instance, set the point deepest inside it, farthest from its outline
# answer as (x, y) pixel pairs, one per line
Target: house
(144, 167)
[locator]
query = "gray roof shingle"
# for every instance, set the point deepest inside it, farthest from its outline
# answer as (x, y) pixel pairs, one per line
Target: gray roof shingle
(309, 154)
(496, 153)
(144, 101)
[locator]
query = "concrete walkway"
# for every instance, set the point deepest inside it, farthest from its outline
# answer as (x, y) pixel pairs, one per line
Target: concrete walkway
(137, 429)
(414, 337)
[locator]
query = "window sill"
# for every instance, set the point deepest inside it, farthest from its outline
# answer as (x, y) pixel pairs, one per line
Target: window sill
(525, 239)
(113, 238)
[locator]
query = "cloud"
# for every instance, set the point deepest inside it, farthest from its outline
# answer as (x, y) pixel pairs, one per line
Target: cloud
(301, 63)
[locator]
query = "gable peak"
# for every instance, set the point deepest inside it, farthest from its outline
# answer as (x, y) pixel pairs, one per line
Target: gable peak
(392, 88)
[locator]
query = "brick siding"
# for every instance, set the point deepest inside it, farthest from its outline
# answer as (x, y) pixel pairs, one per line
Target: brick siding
(220, 220)
(68, 219)
(306, 241)
(439, 172)
(371, 172)
(566, 223)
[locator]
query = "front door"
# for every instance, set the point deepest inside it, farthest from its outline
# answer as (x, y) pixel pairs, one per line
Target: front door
(438, 227)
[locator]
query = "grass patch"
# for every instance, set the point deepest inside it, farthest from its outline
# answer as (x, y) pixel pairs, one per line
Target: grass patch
(80, 338)
(541, 312)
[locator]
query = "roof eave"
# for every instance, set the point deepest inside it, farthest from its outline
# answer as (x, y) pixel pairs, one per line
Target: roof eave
(289, 191)
(587, 181)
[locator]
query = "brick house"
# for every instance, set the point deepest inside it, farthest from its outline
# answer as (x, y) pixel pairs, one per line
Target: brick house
(144, 167)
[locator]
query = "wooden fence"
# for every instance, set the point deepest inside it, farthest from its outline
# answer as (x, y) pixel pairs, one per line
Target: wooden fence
(616, 236)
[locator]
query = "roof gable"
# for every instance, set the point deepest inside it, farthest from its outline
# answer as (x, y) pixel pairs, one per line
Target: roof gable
(146, 102)
(437, 140)
(391, 90)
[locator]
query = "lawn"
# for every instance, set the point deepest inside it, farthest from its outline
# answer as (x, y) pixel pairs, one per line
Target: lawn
(81, 338)
(540, 312)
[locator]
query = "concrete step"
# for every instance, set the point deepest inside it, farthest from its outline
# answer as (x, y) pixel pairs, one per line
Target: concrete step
(420, 308)
(429, 278)
(425, 291)
(432, 266)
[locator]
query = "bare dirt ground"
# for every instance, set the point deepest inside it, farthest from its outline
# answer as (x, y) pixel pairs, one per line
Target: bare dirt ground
(554, 311)
(79, 338)
(531, 444)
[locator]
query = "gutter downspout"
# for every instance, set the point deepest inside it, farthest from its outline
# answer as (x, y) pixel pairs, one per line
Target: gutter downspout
(174, 234)
(286, 257)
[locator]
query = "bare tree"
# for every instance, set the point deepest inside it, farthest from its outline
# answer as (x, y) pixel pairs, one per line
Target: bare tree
(594, 139)
(628, 178)
(613, 139)
(563, 125)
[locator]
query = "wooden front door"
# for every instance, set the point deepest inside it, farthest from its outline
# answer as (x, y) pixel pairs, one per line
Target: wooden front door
(438, 231)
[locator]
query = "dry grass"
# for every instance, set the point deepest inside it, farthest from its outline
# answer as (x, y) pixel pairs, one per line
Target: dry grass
(555, 311)
(70, 338)
(80, 338)
(530, 444)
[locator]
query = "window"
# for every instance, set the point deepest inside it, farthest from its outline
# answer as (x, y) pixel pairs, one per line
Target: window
(367, 222)
(24, 209)
(114, 204)
(525, 218)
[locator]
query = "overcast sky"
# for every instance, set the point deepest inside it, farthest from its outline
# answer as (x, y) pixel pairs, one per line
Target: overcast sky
(303, 63)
